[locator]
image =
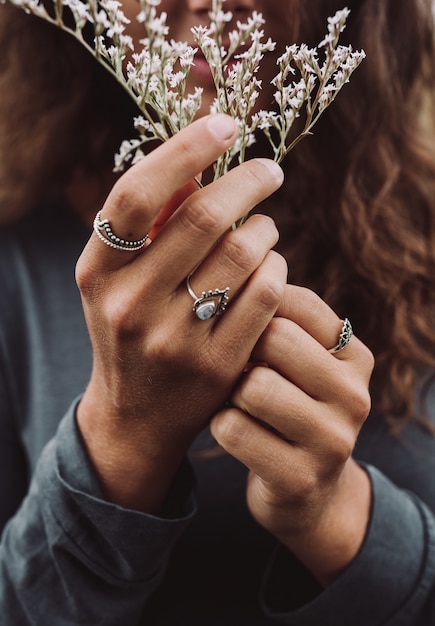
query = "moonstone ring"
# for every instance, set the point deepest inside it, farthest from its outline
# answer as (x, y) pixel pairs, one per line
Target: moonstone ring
(209, 303)
(344, 337)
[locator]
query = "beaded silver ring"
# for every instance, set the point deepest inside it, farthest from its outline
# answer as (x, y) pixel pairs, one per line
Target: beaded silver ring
(344, 337)
(209, 303)
(107, 236)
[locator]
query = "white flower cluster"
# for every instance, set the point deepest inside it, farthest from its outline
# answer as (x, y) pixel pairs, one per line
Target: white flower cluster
(156, 77)
(317, 87)
(238, 88)
(155, 74)
(234, 72)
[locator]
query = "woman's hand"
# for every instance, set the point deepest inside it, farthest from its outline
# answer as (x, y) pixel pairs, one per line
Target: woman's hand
(296, 417)
(159, 372)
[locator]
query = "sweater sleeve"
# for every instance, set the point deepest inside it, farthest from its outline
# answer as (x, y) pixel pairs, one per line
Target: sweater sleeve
(13, 463)
(391, 582)
(69, 557)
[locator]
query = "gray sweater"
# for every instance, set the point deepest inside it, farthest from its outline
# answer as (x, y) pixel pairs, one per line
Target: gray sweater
(69, 557)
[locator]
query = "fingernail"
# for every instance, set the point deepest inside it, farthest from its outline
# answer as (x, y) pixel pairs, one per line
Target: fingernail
(222, 126)
(274, 168)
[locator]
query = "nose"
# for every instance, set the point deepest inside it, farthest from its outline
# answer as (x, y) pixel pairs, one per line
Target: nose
(237, 7)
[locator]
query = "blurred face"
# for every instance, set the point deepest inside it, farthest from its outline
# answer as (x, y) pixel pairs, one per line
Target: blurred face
(184, 14)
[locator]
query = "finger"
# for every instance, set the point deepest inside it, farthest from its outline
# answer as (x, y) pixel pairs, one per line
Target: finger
(298, 357)
(270, 398)
(239, 328)
(206, 215)
(261, 450)
(138, 196)
(294, 415)
(227, 344)
(310, 313)
(171, 206)
(301, 359)
(237, 255)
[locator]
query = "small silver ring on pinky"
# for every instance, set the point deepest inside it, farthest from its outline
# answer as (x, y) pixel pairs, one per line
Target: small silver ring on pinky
(209, 303)
(344, 337)
(107, 236)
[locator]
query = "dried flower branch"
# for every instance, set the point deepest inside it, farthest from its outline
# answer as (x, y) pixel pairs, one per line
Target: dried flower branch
(156, 75)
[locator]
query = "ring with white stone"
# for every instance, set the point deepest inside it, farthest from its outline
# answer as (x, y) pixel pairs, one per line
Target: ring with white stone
(344, 337)
(107, 236)
(209, 303)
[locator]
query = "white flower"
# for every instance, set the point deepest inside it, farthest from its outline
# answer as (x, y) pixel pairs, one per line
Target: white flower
(155, 72)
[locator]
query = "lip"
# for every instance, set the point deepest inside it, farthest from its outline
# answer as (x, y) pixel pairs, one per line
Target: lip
(202, 71)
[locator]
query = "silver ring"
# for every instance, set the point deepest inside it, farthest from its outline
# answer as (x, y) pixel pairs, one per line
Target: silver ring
(344, 337)
(210, 303)
(107, 236)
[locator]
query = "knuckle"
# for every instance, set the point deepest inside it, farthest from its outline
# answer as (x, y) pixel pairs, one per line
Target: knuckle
(265, 223)
(258, 389)
(254, 172)
(121, 315)
(160, 347)
(230, 430)
(121, 195)
(131, 195)
(239, 252)
(342, 447)
(257, 176)
(306, 484)
(89, 282)
(201, 217)
(270, 293)
(358, 400)
(329, 457)
(361, 406)
(84, 277)
(367, 358)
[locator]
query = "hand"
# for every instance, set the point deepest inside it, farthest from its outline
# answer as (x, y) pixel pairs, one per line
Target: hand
(159, 372)
(294, 422)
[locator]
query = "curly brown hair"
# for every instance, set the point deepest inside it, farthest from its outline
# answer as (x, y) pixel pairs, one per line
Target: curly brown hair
(360, 229)
(61, 113)
(357, 211)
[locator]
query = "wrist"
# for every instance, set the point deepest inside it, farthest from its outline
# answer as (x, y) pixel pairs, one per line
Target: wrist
(328, 546)
(136, 467)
